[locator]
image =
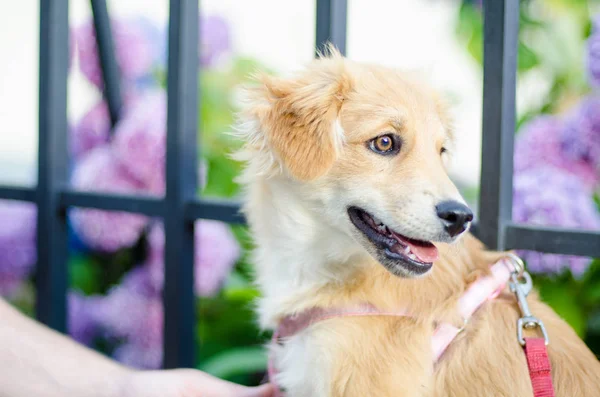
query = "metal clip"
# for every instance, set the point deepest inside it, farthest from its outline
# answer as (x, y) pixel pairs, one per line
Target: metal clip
(521, 286)
(518, 266)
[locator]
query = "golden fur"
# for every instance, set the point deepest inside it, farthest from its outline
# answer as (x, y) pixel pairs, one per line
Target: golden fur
(306, 161)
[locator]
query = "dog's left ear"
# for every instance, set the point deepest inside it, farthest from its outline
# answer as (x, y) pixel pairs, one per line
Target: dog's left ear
(298, 117)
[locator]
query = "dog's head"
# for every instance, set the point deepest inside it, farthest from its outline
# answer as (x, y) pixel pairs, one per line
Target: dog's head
(366, 148)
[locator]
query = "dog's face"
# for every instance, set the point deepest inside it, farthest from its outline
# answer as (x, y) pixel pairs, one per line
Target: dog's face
(367, 148)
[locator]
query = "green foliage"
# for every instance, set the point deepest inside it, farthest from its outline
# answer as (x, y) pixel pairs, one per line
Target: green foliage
(551, 42)
(563, 295)
(230, 340)
(577, 301)
(217, 115)
(236, 361)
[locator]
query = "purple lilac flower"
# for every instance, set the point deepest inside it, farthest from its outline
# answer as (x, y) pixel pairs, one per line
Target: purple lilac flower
(133, 311)
(130, 314)
(83, 321)
(140, 141)
(593, 54)
(542, 142)
(139, 355)
(17, 243)
(93, 129)
(215, 40)
(580, 138)
(217, 251)
(135, 51)
(106, 231)
(552, 197)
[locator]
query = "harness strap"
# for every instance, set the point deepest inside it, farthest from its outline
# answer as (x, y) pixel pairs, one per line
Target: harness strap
(540, 370)
(484, 289)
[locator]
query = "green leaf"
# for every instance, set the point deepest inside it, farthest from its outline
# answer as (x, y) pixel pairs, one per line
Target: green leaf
(233, 362)
(527, 59)
(470, 29)
(247, 294)
(24, 300)
(562, 297)
(591, 284)
(85, 275)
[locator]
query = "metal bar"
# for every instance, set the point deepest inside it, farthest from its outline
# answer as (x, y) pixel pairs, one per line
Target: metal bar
(219, 210)
(501, 26)
(553, 240)
(150, 206)
(332, 18)
(51, 276)
(108, 61)
(182, 124)
(17, 193)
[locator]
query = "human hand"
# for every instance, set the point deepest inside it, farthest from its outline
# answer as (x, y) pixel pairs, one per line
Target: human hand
(186, 383)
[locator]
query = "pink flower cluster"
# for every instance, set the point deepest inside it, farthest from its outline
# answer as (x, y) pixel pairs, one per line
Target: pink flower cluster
(130, 160)
(135, 51)
(106, 231)
(217, 250)
(593, 54)
(133, 154)
(547, 195)
(542, 142)
(17, 244)
(557, 170)
(139, 295)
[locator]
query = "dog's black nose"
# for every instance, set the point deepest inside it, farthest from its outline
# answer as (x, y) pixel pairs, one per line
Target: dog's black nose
(455, 216)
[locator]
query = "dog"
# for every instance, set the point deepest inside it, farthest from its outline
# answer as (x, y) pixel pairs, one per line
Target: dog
(349, 203)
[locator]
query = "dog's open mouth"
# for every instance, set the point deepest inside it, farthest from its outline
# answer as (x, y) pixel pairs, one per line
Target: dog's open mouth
(394, 249)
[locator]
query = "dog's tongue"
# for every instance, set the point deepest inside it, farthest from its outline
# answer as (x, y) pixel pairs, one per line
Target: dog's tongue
(426, 252)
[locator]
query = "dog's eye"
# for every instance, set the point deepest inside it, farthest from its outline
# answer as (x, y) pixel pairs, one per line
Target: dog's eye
(443, 150)
(385, 144)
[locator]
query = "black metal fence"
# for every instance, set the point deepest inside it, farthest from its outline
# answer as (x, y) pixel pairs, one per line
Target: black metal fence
(180, 207)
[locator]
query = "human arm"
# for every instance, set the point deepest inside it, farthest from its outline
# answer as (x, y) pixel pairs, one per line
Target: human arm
(37, 361)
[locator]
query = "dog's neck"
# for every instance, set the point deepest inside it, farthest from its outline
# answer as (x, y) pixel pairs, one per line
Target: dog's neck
(302, 262)
(296, 253)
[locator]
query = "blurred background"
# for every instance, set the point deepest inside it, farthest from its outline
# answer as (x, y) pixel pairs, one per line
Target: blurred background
(116, 259)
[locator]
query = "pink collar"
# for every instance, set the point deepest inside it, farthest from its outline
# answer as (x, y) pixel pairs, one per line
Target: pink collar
(482, 290)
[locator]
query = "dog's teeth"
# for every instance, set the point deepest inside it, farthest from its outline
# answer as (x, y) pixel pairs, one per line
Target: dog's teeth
(407, 250)
(412, 256)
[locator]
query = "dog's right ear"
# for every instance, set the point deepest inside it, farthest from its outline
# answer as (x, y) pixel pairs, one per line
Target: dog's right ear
(298, 117)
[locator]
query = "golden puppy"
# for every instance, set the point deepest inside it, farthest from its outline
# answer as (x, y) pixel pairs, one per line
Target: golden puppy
(349, 203)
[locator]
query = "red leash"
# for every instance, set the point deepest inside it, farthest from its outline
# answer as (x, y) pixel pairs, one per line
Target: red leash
(540, 370)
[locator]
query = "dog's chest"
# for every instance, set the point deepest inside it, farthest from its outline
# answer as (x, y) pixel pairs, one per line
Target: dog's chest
(355, 357)
(302, 369)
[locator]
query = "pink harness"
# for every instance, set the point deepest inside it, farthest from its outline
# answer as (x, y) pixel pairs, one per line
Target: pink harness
(484, 289)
